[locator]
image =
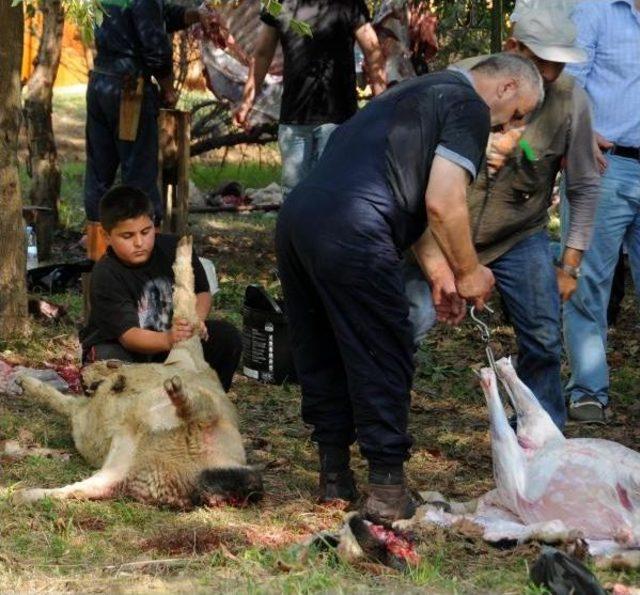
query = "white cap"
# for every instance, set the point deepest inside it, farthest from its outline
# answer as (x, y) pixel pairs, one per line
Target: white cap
(545, 27)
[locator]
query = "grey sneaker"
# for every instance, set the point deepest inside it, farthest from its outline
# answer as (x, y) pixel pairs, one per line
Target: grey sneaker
(587, 410)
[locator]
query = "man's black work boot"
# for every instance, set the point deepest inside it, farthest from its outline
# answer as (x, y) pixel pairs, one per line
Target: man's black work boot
(336, 478)
(389, 499)
(338, 485)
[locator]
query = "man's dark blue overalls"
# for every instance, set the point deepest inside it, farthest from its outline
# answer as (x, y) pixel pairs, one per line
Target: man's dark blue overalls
(340, 238)
(131, 42)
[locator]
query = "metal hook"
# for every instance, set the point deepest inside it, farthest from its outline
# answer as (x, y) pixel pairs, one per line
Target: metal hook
(485, 332)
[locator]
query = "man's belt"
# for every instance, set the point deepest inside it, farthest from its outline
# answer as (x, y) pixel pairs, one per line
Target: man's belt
(628, 152)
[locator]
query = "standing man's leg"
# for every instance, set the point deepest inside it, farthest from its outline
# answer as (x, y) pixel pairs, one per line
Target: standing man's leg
(617, 291)
(296, 151)
(632, 241)
(321, 136)
(369, 315)
(585, 314)
(325, 394)
(139, 158)
(526, 279)
(103, 104)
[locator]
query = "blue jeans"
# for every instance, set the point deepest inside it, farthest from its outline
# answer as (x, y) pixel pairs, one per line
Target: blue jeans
(585, 315)
(526, 279)
(300, 148)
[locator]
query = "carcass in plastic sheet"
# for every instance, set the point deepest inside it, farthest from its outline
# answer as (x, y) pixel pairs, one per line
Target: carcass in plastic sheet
(227, 70)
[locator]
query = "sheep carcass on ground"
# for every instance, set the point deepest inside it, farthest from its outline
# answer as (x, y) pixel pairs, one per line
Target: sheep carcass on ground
(161, 433)
(550, 488)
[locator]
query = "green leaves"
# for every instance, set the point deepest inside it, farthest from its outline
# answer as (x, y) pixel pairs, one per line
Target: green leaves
(301, 28)
(85, 14)
(273, 7)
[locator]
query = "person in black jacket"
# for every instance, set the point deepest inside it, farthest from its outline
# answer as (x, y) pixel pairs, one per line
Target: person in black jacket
(133, 50)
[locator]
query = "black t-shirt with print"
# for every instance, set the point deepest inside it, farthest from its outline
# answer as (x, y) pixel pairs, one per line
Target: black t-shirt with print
(384, 154)
(124, 297)
(319, 85)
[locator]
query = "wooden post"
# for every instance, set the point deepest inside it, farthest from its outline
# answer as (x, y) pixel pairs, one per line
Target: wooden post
(497, 25)
(173, 167)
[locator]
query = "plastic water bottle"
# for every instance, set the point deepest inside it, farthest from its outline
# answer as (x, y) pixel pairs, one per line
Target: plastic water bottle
(32, 248)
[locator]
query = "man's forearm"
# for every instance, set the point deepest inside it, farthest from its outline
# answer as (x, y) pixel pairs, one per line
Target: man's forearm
(374, 58)
(376, 69)
(582, 177)
(257, 73)
(203, 304)
(428, 254)
(451, 230)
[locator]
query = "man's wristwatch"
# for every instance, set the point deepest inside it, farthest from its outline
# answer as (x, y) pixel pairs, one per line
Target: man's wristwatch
(567, 268)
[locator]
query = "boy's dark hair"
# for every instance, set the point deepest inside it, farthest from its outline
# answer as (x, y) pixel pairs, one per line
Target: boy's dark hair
(123, 202)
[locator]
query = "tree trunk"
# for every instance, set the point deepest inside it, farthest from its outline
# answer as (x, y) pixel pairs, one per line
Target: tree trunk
(13, 292)
(497, 25)
(43, 156)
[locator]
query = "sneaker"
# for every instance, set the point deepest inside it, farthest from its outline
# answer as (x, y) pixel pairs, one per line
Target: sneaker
(337, 486)
(587, 410)
(388, 503)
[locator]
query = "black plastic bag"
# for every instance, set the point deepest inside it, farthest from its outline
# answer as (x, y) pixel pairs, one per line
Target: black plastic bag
(57, 278)
(563, 575)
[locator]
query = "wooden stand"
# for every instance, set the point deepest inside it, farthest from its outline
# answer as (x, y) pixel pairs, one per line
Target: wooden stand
(173, 166)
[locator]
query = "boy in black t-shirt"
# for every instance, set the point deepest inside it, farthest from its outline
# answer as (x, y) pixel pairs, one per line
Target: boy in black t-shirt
(131, 294)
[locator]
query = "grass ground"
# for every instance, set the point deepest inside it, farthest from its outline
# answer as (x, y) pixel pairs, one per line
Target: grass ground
(123, 546)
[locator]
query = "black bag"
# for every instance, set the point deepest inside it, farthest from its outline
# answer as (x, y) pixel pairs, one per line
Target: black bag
(563, 575)
(57, 278)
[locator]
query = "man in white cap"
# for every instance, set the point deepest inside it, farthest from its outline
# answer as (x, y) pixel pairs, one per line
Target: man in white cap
(508, 206)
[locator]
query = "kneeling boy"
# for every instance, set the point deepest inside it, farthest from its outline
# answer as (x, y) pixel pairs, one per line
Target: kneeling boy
(131, 295)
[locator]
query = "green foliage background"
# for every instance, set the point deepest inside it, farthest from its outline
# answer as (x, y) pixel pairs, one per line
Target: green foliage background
(464, 28)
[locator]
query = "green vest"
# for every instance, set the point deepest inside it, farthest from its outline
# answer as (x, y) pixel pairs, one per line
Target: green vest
(515, 204)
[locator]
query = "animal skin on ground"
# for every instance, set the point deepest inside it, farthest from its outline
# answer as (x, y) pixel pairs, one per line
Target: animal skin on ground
(165, 434)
